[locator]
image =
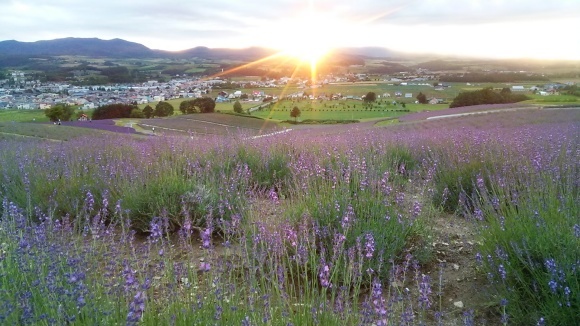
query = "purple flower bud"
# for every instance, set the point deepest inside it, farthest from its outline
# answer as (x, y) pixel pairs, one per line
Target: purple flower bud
(206, 238)
(369, 246)
(204, 267)
(324, 277)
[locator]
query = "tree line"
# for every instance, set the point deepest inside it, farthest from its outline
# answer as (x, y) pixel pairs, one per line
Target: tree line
(65, 112)
(487, 96)
(474, 77)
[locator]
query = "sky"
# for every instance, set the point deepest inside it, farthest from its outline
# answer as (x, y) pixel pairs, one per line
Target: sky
(544, 29)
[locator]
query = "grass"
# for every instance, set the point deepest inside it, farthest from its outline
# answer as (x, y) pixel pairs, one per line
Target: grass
(23, 116)
(558, 99)
(47, 131)
(339, 110)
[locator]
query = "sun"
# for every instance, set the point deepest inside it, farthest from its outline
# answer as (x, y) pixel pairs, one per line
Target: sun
(309, 35)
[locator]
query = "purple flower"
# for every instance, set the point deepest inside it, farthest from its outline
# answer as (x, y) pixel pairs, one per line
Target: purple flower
(424, 292)
(502, 271)
(468, 318)
(204, 267)
(348, 218)
(136, 308)
(378, 301)
(369, 246)
(553, 286)
(155, 229)
(273, 195)
(480, 182)
(206, 238)
(416, 209)
(478, 258)
(324, 277)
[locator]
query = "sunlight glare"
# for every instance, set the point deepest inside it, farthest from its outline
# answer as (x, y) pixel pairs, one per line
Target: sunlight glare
(309, 36)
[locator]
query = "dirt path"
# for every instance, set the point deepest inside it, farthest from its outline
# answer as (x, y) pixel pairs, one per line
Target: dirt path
(463, 288)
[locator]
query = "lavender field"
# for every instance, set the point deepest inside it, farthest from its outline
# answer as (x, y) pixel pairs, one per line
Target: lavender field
(362, 226)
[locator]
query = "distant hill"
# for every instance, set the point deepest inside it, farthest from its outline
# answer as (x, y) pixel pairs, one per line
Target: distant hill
(118, 48)
(93, 47)
(371, 52)
(203, 52)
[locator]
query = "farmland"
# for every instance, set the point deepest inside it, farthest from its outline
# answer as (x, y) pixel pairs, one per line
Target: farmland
(443, 221)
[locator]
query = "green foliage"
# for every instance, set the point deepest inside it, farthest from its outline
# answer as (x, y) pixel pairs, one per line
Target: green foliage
(295, 113)
(269, 170)
(486, 96)
(60, 112)
(201, 104)
(497, 77)
(422, 98)
(455, 185)
(205, 104)
(136, 113)
(238, 107)
(531, 243)
(113, 111)
(572, 90)
(188, 107)
(163, 109)
(148, 111)
(370, 97)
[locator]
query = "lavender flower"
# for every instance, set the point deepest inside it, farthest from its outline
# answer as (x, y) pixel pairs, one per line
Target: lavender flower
(136, 308)
(324, 276)
(479, 258)
(369, 246)
(206, 238)
(416, 209)
(204, 267)
(155, 229)
(348, 218)
(424, 292)
(468, 318)
(502, 272)
(379, 305)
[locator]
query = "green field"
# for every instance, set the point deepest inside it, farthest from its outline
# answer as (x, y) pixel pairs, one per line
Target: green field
(341, 110)
(45, 131)
(23, 115)
(554, 99)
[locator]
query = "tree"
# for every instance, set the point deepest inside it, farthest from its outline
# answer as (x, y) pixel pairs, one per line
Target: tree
(295, 113)
(187, 107)
(238, 107)
(422, 98)
(136, 113)
(60, 112)
(205, 104)
(163, 109)
(113, 111)
(148, 111)
(370, 97)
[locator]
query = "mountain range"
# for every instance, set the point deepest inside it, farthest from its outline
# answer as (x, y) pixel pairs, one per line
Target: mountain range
(118, 48)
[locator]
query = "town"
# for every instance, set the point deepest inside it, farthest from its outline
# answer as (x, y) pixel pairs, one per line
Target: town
(21, 91)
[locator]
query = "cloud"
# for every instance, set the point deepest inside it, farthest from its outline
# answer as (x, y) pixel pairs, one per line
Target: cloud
(176, 24)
